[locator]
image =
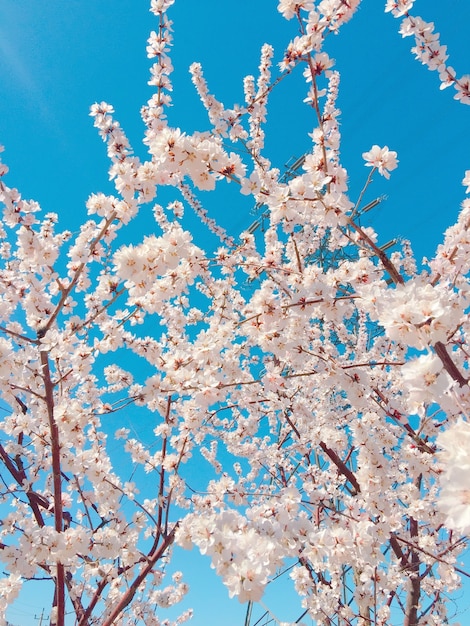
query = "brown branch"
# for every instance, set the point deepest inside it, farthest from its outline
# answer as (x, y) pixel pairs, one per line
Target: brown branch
(127, 597)
(83, 620)
(78, 272)
(105, 306)
(76, 600)
(297, 254)
(394, 544)
(17, 335)
(412, 599)
(372, 364)
(161, 487)
(59, 596)
(291, 424)
(388, 265)
(449, 364)
(437, 557)
(397, 418)
(342, 467)
(35, 499)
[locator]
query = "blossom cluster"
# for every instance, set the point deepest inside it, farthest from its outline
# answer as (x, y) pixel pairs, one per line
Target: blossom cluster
(428, 49)
(454, 501)
(244, 556)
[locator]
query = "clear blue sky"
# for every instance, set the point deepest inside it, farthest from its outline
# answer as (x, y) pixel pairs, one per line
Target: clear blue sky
(57, 58)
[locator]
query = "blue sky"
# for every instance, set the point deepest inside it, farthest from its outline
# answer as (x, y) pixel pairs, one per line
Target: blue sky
(57, 58)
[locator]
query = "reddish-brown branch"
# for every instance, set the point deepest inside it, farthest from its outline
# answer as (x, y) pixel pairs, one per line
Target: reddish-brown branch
(127, 597)
(394, 544)
(342, 467)
(448, 363)
(412, 599)
(388, 265)
(437, 557)
(83, 621)
(420, 443)
(66, 292)
(35, 500)
(59, 598)
(161, 487)
(18, 336)
(76, 600)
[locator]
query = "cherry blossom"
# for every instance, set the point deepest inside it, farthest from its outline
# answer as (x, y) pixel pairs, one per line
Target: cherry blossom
(382, 159)
(455, 495)
(428, 49)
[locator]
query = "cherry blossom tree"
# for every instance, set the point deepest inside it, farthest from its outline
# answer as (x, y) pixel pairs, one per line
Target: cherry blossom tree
(323, 383)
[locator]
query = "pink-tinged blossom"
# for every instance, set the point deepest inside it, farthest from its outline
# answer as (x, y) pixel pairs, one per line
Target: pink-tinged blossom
(462, 85)
(3, 167)
(454, 500)
(160, 6)
(398, 8)
(289, 8)
(423, 380)
(418, 315)
(6, 356)
(428, 49)
(321, 62)
(447, 77)
(466, 181)
(10, 588)
(383, 159)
